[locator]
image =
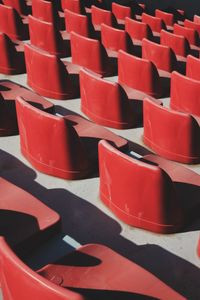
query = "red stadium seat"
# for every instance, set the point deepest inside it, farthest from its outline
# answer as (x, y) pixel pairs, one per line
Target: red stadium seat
(100, 16)
(115, 39)
(185, 94)
(11, 24)
(190, 34)
(66, 146)
(156, 24)
(193, 25)
(73, 5)
(167, 18)
(121, 12)
(24, 221)
(46, 36)
(138, 30)
(53, 280)
(56, 83)
(162, 56)
(105, 102)
(98, 62)
(196, 19)
(9, 91)
(130, 66)
(143, 195)
(20, 5)
(193, 67)
(171, 134)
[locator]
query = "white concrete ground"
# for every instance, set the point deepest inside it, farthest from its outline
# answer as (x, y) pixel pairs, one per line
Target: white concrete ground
(172, 258)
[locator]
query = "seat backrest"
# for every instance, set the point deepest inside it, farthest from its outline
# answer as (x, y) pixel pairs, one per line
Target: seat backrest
(193, 25)
(53, 84)
(130, 66)
(77, 23)
(121, 12)
(171, 134)
(185, 94)
(138, 30)
(105, 102)
(179, 44)
(45, 11)
(168, 18)
(156, 24)
(193, 67)
(28, 282)
(189, 33)
(46, 36)
(19, 5)
(116, 39)
(162, 56)
(196, 19)
(100, 16)
(73, 5)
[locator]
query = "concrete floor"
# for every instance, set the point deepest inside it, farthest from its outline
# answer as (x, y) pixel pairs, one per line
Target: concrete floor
(172, 258)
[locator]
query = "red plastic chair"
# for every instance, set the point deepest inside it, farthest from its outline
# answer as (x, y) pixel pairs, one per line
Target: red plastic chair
(193, 67)
(105, 102)
(190, 34)
(156, 24)
(121, 12)
(177, 43)
(193, 25)
(196, 19)
(24, 221)
(46, 284)
(130, 66)
(138, 30)
(11, 24)
(73, 5)
(46, 36)
(167, 18)
(20, 5)
(66, 146)
(162, 56)
(56, 83)
(115, 39)
(171, 134)
(185, 94)
(98, 62)
(143, 195)
(100, 16)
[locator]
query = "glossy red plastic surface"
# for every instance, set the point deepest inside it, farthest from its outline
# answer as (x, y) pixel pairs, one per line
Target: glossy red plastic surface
(196, 19)
(77, 23)
(171, 134)
(142, 196)
(193, 25)
(185, 94)
(156, 24)
(162, 56)
(66, 146)
(82, 48)
(56, 83)
(24, 218)
(130, 66)
(190, 34)
(105, 102)
(115, 39)
(46, 11)
(20, 5)
(11, 23)
(11, 60)
(168, 18)
(177, 43)
(121, 12)
(72, 5)
(46, 36)
(193, 67)
(100, 16)
(138, 30)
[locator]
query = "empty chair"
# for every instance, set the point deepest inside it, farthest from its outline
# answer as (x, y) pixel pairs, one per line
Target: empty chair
(168, 18)
(115, 39)
(73, 5)
(103, 265)
(121, 12)
(196, 19)
(189, 33)
(193, 25)
(193, 67)
(185, 94)
(162, 56)
(56, 83)
(46, 36)
(24, 221)
(11, 58)
(11, 23)
(66, 146)
(129, 68)
(100, 16)
(105, 102)
(99, 62)
(138, 30)
(156, 24)
(20, 5)
(171, 134)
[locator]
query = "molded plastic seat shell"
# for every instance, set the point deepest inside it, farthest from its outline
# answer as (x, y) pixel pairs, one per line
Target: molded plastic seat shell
(100, 16)
(138, 30)
(196, 19)
(193, 25)
(56, 83)
(167, 18)
(171, 134)
(77, 23)
(193, 67)
(20, 5)
(142, 196)
(73, 5)
(185, 94)
(66, 146)
(189, 33)
(130, 66)
(105, 102)
(121, 12)
(156, 24)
